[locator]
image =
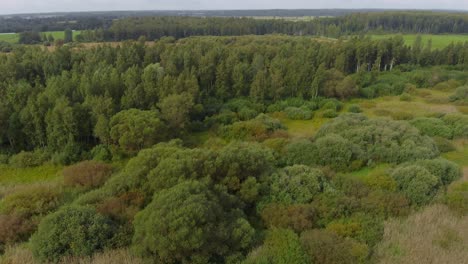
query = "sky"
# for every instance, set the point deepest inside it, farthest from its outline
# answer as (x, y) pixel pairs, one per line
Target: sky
(36, 6)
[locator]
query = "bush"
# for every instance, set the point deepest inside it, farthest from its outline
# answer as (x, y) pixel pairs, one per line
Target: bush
(297, 184)
(14, 228)
(326, 247)
(444, 145)
(182, 225)
(446, 171)
(354, 109)
(433, 127)
(32, 201)
(329, 113)
(405, 97)
(301, 151)
(101, 153)
(296, 113)
(367, 229)
(457, 197)
(298, 217)
(87, 174)
(334, 151)
(281, 246)
(4, 159)
(28, 159)
(458, 123)
(416, 182)
(72, 231)
(461, 94)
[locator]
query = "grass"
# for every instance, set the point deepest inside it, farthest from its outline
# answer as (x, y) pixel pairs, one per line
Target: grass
(433, 235)
(14, 176)
(438, 41)
(370, 171)
(460, 156)
(14, 38)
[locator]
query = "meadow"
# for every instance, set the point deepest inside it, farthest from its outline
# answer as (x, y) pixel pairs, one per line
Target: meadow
(438, 41)
(13, 38)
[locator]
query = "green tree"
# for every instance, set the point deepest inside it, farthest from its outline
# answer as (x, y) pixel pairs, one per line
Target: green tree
(71, 231)
(175, 110)
(135, 129)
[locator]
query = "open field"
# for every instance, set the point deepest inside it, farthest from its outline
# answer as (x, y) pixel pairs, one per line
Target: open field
(13, 38)
(438, 41)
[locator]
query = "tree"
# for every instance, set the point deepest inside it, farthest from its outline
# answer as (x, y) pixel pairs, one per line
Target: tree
(71, 231)
(281, 246)
(417, 183)
(68, 36)
(134, 129)
(175, 110)
(188, 224)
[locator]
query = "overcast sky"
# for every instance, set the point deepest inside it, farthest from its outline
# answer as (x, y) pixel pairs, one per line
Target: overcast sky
(34, 6)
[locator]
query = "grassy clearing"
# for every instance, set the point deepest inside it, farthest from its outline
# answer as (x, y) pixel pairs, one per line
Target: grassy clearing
(14, 38)
(438, 41)
(14, 176)
(370, 171)
(460, 156)
(303, 128)
(433, 235)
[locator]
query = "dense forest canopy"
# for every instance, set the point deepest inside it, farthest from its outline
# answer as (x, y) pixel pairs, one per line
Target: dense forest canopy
(234, 140)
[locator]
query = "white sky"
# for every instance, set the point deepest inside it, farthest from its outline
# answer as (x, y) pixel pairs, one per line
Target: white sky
(33, 6)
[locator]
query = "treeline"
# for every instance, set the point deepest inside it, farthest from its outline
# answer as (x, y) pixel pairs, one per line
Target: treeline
(53, 23)
(180, 27)
(73, 97)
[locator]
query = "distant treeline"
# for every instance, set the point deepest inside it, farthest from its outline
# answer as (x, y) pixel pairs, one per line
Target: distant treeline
(154, 24)
(180, 27)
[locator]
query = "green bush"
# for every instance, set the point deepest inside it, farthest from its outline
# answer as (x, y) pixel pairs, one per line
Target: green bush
(354, 109)
(297, 184)
(334, 151)
(416, 182)
(28, 159)
(101, 153)
(329, 113)
(461, 94)
(71, 231)
(446, 171)
(187, 224)
(443, 145)
(296, 113)
(458, 123)
(301, 151)
(281, 246)
(401, 115)
(406, 97)
(433, 127)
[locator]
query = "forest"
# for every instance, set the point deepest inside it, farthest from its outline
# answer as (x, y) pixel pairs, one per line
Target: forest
(219, 140)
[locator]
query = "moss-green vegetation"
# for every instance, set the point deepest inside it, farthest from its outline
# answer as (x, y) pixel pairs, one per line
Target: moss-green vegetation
(13, 176)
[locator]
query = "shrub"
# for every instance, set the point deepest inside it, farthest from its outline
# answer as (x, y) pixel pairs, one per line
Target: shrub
(4, 159)
(458, 123)
(32, 201)
(296, 113)
(443, 145)
(257, 129)
(406, 97)
(71, 231)
(27, 159)
(446, 171)
(354, 109)
(297, 184)
(334, 151)
(457, 197)
(182, 225)
(298, 217)
(433, 127)
(326, 247)
(247, 114)
(329, 113)
(101, 153)
(301, 151)
(281, 246)
(416, 182)
(366, 229)
(461, 94)
(87, 174)
(14, 228)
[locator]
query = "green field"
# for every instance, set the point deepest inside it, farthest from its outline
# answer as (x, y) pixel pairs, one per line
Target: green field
(13, 38)
(438, 41)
